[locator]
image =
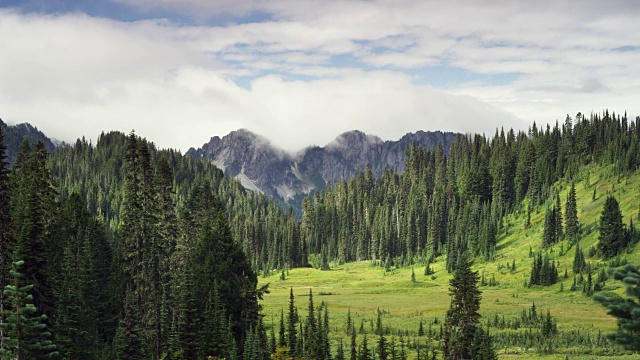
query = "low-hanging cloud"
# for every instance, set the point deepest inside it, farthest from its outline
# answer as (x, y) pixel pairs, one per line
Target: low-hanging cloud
(179, 84)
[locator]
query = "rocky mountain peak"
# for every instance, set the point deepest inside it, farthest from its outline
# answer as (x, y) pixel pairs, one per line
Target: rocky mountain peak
(260, 166)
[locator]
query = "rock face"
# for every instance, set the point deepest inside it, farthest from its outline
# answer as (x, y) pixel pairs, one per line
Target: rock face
(264, 168)
(14, 135)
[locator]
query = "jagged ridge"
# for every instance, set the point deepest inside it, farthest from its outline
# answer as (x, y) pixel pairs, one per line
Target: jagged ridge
(262, 167)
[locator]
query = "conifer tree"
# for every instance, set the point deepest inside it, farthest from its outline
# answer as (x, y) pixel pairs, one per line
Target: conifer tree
(579, 262)
(282, 339)
(364, 353)
(612, 238)
(571, 214)
(128, 342)
(463, 316)
(311, 331)
(27, 337)
(558, 219)
(34, 214)
(625, 309)
(549, 231)
(353, 354)
(381, 349)
(340, 351)
(292, 320)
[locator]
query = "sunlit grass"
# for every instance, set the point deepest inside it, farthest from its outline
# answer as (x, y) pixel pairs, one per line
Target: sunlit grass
(364, 287)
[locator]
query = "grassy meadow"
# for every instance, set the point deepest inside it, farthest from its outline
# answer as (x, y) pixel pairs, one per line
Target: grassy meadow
(365, 287)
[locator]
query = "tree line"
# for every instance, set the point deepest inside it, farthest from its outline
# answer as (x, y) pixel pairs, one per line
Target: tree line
(124, 251)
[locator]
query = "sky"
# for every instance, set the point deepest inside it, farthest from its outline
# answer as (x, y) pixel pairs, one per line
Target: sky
(300, 72)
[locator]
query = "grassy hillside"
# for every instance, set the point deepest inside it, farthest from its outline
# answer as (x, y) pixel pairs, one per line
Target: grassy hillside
(364, 287)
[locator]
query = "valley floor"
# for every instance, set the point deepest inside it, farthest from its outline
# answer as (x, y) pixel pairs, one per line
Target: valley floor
(364, 287)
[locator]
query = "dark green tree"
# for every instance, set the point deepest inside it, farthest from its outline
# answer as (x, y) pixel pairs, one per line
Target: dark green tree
(292, 320)
(353, 353)
(625, 309)
(612, 238)
(27, 337)
(579, 262)
(549, 231)
(482, 346)
(282, 337)
(340, 351)
(571, 215)
(34, 212)
(462, 317)
(381, 349)
(558, 218)
(364, 353)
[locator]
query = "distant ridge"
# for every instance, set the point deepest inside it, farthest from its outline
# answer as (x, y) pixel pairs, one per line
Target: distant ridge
(262, 167)
(14, 135)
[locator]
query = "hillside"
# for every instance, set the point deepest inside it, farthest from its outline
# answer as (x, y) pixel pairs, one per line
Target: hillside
(364, 287)
(14, 135)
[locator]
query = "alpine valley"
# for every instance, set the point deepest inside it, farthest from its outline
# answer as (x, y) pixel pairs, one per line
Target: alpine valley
(522, 244)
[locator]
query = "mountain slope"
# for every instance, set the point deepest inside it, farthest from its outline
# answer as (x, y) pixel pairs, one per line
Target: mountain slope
(15, 134)
(264, 168)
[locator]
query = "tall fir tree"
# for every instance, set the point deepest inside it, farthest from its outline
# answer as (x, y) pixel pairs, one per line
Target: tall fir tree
(612, 238)
(34, 213)
(463, 315)
(292, 321)
(571, 215)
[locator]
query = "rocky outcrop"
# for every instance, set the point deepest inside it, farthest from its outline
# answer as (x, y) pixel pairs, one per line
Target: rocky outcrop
(262, 167)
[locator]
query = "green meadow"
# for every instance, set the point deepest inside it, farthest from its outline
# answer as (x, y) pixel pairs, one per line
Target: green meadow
(365, 287)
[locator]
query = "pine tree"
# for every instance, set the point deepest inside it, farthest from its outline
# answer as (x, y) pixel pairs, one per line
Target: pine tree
(128, 341)
(482, 346)
(282, 339)
(571, 215)
(625, 309)
(364, 353)
(292, 320)
(340, 351)
(353, 349)
(403, 355)
(463, 316)
(558, 219)
(612, 238)
(311, 331)
(272, 338)
(393, 355)
(34, 214)
(579, 262)
(381, 350)
(27, 337)
(549, 234)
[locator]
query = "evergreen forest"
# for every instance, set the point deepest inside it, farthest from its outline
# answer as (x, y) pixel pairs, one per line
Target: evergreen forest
(120, 250)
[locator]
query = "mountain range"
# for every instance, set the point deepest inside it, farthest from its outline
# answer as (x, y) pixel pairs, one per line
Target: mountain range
(285, 177)
(262, 167)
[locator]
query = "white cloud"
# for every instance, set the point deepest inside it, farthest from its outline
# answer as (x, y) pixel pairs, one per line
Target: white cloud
(74, 75)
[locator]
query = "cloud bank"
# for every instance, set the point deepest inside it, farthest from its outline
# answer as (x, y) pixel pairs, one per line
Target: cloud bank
(301, 72)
